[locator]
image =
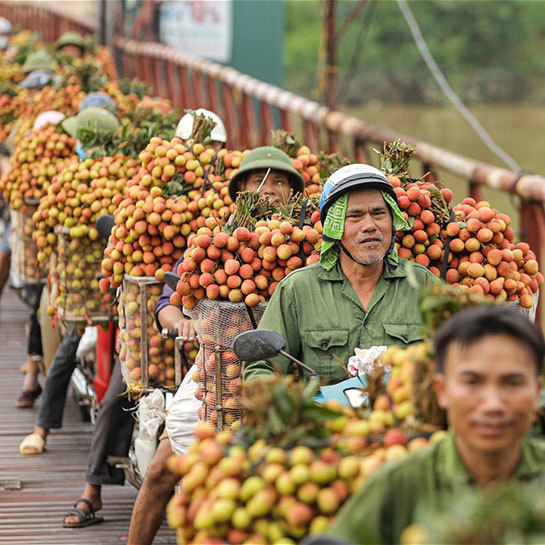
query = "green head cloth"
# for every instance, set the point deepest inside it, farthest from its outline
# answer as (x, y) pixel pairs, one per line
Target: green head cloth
(334, 228)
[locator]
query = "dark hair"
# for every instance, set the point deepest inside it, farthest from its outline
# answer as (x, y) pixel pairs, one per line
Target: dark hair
(472, 324)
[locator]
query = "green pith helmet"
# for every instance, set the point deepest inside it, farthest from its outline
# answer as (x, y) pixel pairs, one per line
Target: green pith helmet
(71, 38)
(264, 158)
(93, 118)
(39, 60)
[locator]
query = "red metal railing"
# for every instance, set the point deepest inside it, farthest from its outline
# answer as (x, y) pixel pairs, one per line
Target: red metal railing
(251, 109)
(51, 23)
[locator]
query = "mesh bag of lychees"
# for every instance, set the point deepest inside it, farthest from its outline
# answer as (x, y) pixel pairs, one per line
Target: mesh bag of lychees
(219, 371)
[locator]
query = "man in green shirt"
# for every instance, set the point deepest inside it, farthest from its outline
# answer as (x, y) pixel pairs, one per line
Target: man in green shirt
(490, 361)
(358, 296)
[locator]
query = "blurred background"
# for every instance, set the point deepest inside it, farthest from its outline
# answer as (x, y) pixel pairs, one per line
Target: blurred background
(491, 52)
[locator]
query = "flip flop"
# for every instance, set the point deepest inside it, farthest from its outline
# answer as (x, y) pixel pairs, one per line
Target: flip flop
(34, 441)
(85, 518)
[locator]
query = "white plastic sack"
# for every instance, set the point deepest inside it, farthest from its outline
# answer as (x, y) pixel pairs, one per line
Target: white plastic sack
(15, 247)
(14, 277)
(88, 341)
(182, 414)
(151, 414)
(363, 362)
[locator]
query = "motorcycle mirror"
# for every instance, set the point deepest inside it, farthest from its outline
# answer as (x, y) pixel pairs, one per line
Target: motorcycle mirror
(357, 397)
(325, 539)
(258, 344)
(171, 279)
(104, 225)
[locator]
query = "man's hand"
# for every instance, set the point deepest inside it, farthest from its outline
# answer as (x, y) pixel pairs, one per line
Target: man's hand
(171, 317)
(186, 329)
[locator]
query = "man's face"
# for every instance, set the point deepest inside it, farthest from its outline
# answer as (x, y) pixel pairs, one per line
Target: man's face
(368, 226)
(490, 391)
(276, 186)
(71, 51)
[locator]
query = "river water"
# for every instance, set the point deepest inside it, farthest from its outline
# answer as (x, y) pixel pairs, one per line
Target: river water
(519, 129)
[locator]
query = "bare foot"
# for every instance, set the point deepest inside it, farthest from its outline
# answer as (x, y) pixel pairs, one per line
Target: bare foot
(41, 431)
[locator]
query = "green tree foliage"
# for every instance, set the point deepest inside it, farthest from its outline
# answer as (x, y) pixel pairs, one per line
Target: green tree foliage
(488, 50)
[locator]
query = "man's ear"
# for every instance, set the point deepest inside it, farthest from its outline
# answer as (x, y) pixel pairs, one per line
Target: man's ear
(539, 388)
(440, 388)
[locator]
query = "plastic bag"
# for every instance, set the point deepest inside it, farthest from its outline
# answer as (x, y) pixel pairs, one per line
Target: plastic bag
(88, 341)
(15, 246)
(363, 362)
(151, 414)
(182, 415)
(530, 313)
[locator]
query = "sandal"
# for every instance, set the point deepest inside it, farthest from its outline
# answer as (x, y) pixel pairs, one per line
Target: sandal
(85, 518)
(27, 398)
(33, 441)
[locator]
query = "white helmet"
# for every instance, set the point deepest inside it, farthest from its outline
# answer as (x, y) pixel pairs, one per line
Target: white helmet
(184, 130)
(5, 26)
(51, 116)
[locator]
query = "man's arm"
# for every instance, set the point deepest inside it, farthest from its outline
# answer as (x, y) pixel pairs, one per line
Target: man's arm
(280, 316)
(170, 317)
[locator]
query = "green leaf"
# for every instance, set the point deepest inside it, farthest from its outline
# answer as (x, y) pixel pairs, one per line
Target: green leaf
(411, 276)
(275, 421)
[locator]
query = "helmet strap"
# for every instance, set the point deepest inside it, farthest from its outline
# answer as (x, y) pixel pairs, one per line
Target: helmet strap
(264, 179)
(392, 245)
(344, 249)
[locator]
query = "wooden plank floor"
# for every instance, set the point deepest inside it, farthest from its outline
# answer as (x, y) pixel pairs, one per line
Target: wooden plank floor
(50, 482)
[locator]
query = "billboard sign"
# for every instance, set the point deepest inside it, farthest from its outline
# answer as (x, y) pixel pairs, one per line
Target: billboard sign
(198, 27)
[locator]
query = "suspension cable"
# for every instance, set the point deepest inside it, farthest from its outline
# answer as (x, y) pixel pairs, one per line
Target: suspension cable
(449, 92)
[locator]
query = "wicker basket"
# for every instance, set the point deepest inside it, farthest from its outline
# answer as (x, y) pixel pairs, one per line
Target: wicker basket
(25, 251)
(74, 284)
(148, 360)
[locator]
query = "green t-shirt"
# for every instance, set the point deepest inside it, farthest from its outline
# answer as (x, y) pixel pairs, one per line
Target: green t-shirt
(319, 314)
(387, 502)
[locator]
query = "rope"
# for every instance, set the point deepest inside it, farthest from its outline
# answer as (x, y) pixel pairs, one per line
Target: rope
(358, 49)
(448, 91)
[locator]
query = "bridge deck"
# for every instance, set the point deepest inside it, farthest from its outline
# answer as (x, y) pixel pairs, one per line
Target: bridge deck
(50, 482)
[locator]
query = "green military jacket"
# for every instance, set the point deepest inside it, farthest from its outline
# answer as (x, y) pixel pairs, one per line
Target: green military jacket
(387, 502)
(319, 315)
